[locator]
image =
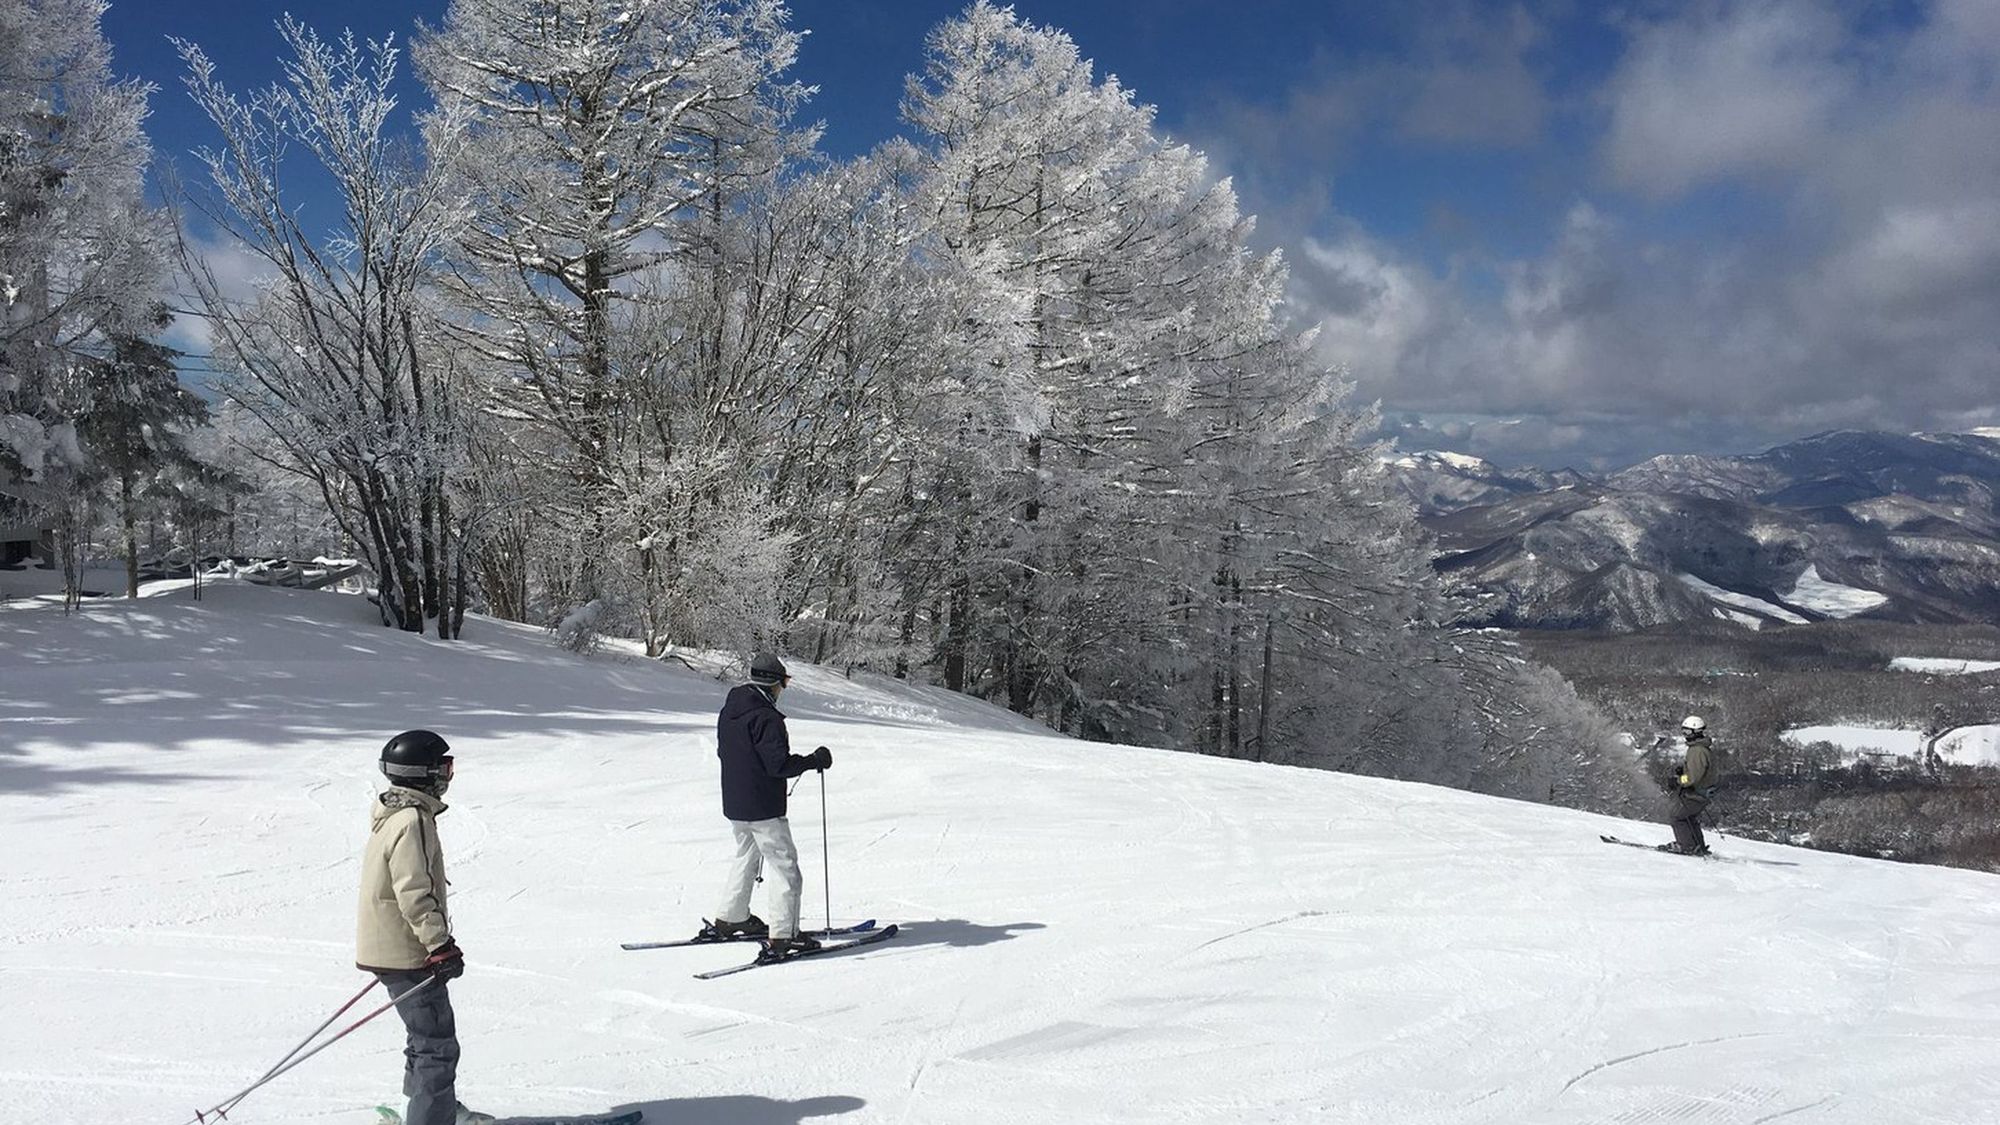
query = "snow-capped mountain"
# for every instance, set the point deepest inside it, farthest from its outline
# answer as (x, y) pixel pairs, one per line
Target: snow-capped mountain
(1442, 481)
(1836, 468)
(1904, 527)
(1090, 934)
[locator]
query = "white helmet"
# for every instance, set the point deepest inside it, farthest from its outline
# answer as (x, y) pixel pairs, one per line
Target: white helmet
(1693, 725)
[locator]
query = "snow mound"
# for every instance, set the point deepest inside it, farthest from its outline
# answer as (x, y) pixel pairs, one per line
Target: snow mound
(1971, 746)
(1090, 933)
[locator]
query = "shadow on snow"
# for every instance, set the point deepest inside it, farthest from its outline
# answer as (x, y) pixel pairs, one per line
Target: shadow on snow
(741, 1109)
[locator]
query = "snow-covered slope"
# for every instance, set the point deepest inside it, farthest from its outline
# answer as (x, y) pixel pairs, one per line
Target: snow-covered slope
(1091, 934)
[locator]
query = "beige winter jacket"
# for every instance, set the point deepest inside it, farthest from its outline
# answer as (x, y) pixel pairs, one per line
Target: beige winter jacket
(402, 916)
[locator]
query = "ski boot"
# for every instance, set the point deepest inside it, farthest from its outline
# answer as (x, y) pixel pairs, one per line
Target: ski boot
(472, 1116)
(777, 949)
(720, 930)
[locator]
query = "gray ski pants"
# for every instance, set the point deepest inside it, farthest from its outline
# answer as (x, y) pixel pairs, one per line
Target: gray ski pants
(759, 842)
(430, 1056)
(1687, 810)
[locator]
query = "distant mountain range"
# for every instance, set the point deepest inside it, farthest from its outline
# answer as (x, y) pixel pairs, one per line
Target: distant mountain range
(1903, 527)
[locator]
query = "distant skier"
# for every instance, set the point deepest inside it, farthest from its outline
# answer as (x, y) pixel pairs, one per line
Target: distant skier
(1694, 785)
(756, 755)
(404, 931)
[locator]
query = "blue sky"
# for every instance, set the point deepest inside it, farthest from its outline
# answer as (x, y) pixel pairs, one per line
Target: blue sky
(1546, 231)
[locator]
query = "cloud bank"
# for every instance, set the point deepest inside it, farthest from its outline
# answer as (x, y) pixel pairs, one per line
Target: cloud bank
(1759, 219)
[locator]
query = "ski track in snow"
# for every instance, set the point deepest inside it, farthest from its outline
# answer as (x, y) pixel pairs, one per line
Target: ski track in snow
(1090, 933)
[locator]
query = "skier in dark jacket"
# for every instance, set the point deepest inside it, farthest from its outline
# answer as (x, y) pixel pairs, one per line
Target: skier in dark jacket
(756, 757)
(1694, 785)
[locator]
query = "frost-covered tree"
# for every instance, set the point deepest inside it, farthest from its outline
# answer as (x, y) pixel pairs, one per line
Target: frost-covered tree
(866, 434)
(608, 143)
(271, 510)
(79, 249)
(1033, 180)
(1153, 518)
(1116, 337)
(338, 354)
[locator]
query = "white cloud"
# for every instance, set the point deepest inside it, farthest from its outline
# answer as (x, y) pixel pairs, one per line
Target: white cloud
(238, 272)
(1750, 87)
(1866, 300)
(1373, 311)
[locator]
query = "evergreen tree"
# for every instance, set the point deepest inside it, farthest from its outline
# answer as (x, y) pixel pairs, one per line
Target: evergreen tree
(134, 431)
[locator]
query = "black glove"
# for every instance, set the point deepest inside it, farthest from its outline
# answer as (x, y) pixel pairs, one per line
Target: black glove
(447, 961)
(821, 758)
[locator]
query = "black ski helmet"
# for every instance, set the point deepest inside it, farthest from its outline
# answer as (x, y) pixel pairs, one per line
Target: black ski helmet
(766, 670)
(415, 759)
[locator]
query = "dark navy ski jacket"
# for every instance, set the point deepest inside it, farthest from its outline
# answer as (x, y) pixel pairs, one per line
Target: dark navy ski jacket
(756, 755)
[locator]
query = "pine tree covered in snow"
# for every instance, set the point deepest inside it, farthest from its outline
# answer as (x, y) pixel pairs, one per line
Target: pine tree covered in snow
(135, 427)
(79, 249)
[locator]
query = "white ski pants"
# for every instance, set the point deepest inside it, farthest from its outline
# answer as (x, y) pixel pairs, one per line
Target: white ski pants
(761, 844)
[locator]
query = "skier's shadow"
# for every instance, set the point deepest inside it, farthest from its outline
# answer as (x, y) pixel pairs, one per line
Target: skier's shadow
(739, 1109)
(958, 932)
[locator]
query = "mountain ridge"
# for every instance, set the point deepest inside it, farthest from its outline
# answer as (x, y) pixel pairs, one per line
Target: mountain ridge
(1841, 524)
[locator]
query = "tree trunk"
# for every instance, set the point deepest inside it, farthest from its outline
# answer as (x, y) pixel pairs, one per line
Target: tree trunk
(958, 629)
(1264, 698)
(131, 522)
(1235, 666)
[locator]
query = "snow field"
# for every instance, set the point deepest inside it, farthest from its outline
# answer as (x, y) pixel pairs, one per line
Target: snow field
(1966, 746)
(1091, 933)
(1943, 665)
(1763, 610)
(1832, 598)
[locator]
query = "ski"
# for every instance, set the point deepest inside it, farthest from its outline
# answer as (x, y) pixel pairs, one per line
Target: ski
(868, 938)
(837, 931)
(1633, 844)
(1710, 856)
(629, 1117)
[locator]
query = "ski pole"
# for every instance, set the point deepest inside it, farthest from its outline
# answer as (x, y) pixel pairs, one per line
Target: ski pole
(826, 872)
(222, 1108)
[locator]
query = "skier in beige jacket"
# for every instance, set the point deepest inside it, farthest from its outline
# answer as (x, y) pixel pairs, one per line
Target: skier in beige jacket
(403, 931)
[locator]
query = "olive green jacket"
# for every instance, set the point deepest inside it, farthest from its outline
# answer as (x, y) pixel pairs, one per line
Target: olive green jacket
(402, 916)
(1698, 768)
